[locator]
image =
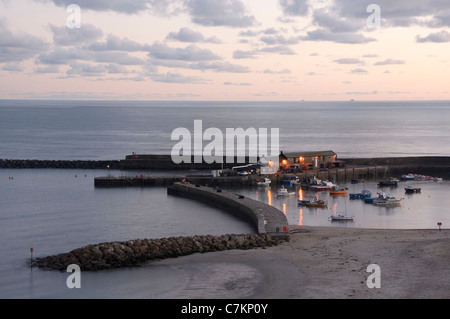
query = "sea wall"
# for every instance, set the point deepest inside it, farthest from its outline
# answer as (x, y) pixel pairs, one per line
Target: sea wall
(150, 181)
(135, 252)
(58, 164)
(264, 218)
(165, 162)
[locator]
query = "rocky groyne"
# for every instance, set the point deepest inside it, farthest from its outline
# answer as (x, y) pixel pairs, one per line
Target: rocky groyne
(135, 252)
(58, 164)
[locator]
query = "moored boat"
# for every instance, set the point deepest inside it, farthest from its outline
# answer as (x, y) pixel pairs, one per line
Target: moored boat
(364, 194)
(393, 182)
(412, 190)
(341, 218)
(339, 190)
(263, 182)
(313, 203)
(385, 200)
(322, 186)
(284, 192)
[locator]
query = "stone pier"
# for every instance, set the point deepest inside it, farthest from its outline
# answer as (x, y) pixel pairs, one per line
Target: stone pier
(264, 218)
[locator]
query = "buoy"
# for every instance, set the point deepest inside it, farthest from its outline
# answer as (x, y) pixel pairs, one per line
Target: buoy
(76, 175)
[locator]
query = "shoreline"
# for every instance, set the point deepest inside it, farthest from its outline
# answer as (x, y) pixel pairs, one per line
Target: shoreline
(326, 263)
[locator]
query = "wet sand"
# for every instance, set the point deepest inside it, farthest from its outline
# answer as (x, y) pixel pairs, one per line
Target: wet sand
(322, 263)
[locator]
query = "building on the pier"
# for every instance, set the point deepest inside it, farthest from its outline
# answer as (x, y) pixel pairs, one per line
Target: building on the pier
(303, 161)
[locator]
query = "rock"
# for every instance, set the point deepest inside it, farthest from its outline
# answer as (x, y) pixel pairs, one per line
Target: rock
(132, 253)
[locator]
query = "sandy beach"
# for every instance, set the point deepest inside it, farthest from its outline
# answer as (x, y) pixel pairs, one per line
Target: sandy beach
(321, 263)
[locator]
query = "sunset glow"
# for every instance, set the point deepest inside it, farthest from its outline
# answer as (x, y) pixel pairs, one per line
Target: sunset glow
(274, 50)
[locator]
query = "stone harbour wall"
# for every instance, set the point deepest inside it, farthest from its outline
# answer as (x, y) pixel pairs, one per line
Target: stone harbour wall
(135, 252)
(58, 164)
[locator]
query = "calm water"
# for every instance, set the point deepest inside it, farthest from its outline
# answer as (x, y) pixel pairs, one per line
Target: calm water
(111, 130)
(417, 211)
(55, 211)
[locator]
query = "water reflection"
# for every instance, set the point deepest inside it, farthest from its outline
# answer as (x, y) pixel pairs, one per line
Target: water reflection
(416, 211)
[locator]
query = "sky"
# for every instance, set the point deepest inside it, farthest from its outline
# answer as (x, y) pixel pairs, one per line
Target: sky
(225, 50)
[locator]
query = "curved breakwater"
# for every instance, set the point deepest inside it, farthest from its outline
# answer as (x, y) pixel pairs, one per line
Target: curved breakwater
(270, 223)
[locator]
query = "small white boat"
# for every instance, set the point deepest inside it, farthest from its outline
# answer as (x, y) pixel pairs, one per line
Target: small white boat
(284, 192)
(341, 218)
(263, 182)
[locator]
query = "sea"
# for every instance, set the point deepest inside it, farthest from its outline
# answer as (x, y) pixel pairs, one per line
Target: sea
(55, 211)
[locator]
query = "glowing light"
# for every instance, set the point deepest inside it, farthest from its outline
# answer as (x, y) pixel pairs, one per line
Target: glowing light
(300, 218)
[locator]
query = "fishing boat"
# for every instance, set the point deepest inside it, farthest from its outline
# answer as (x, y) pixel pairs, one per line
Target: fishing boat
(317, 204)
(323, 186)
(387, 201)
(263, 182)
(313, 203)
(339, 190)
(364, 194)
(342, 218)
(284, 192)
(393, 182)
(291, 181)
(412, 190)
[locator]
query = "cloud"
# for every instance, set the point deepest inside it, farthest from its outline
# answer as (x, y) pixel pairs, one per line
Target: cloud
(294, 7)
(359, 71)
(13, 67)
(349, 61)
(237, 84)
(438, 37)
(86, 69)
(229, 13)
(122, 6)
(189, 35)
(280, 49)
(65, 36)
(161, 51)
(240, 54)
(254, 54)
(114, 43)
(176, 78)
(63, 56)
(328, 19)
(47, 69)
(374, 92)
(118, 57)
(220, 67)
(400, 12)
(279, 40)
(390, 62)
(327, 35)
(284, 71)
(19, 46)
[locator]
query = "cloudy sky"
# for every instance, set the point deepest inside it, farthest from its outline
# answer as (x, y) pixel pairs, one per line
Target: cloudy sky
(285, 50)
